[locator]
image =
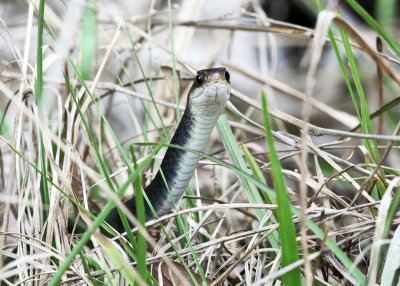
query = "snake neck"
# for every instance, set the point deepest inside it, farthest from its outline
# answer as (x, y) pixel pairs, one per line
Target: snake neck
(176, 169)
(179, 165)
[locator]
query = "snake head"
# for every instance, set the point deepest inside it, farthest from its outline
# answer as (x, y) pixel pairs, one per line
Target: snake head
(210, 91)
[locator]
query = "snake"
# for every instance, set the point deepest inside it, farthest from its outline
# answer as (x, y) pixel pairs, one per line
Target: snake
(205, 103)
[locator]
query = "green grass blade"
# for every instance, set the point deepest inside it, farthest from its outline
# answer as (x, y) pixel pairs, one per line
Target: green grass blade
(236, 156)
(101, 162)
(147, 85)
(385, 108)
(390, 272)
(374, 25)
(88, 39)
(114, 254)
(44, 188)
(259, 176)
(5, 129)
(366, 125)
(286, 225)
(87, 270)
(255, 170)
(39, 56)
(386, 12)
(365, 119)
(180, 221)
(140, 215)
(394, 207)
(363, 116)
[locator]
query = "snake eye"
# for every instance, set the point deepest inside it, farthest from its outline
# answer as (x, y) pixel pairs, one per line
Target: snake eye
(199, 79)
(227, 76)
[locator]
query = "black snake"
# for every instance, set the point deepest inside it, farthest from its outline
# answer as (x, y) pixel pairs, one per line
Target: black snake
(205, 103)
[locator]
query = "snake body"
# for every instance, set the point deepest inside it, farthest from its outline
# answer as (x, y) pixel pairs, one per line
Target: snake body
(205, 103)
